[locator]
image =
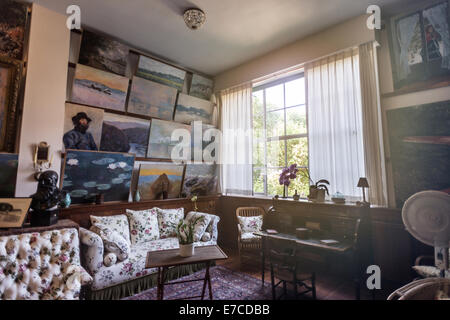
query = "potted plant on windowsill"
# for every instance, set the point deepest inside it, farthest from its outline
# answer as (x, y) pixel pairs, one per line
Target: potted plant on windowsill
(185, 235)
(317, 190)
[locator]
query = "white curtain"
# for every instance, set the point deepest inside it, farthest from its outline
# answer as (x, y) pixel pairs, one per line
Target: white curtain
(405, 32)
(438, 18)
(236, 145)
(372, 129)
(335, 122)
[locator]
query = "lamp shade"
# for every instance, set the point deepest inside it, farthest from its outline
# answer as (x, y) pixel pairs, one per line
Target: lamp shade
(363, 183)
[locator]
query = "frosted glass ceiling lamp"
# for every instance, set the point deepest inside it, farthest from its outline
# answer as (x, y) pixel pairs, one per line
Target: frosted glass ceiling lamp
(194, 18)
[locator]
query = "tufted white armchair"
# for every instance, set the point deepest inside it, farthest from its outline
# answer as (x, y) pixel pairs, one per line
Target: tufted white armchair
(41, 266)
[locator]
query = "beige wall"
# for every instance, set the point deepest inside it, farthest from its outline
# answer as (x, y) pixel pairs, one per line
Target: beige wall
(342, 36)
(45, 93)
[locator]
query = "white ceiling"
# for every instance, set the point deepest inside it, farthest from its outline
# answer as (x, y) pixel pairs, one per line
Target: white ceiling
(235, 31)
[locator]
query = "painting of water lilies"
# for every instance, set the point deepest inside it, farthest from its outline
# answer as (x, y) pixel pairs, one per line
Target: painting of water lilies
(201, 87)
(200, 180)
(161, 145)
(154, 70)
(159, 181)
(193, 109)
(87, 174)
(98, 88)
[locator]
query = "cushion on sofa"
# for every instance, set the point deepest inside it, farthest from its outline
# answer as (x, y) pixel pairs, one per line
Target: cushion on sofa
(200, 225)
(168, 220)
(143, 225)
(112, 241)
(251, 224)
(117, 223)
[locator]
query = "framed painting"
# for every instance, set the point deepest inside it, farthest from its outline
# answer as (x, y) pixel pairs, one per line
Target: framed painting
(152, 99)
(201, 87)
(158, 181)
(10, 80)
(13, 212)
(154, 70)
(198, 143)
(87, 174)
(190, 109)
(200, 180)
(420, 46)
(420, 152)
(13, 23)
(161, 145)
(125, 134)
(8, 174)
(98, 88)
(103, 53)
(79, 134)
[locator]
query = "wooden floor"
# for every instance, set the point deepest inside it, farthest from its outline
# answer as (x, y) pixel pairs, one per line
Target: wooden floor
(328, 287)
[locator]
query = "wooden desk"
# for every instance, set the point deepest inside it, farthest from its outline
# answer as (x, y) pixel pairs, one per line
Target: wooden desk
(344, 247)
(169, 258)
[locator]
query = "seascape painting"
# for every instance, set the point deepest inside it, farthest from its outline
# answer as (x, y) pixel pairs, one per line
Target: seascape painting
(13, 20)
(158, 181)
(420, 149)
(99, 88)
(103, 53)
(200, 180)
(190, 109)
(160, 144)
(152, 99)
(198, 145)
(71, 127)
(125, 134)
(154, 70)
(87, 174)
(201, 87)
(8, 174)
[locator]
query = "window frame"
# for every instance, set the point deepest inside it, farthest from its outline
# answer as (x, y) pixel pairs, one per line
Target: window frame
(285, 137)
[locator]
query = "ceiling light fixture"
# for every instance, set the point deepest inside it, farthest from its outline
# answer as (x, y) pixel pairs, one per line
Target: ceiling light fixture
(194, 18)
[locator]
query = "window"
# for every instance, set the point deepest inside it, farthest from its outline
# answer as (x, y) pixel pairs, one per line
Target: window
(280, 135)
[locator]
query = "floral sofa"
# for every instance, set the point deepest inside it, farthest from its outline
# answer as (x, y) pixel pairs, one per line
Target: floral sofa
(41, 266)
(122, 274)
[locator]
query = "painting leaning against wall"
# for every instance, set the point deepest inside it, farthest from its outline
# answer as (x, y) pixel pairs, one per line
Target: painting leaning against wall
(8, 174)
(13, 20)
(161, 145)
(420, 149)
(201, 87)
(154, 70)
(190, 109)
(159, 181)
(87, 174)
(200, 180)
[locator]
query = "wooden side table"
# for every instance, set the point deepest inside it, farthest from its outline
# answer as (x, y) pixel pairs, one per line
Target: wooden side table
(170, 258)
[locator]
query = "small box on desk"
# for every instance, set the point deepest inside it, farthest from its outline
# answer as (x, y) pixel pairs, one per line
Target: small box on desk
(302, 233)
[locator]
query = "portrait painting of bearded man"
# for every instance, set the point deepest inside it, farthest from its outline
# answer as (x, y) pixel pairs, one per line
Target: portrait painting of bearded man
(82, 127)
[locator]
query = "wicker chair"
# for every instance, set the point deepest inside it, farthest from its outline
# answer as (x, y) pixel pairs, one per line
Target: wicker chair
(248, 247)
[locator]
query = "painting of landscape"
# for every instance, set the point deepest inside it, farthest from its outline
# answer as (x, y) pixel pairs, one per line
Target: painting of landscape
(201, 87)
(158, 181)
(13, 20)
(87, 174)
(8, 174)
(154, 70)
(200, 180)
(420, 149)
(99, 88)
(190, 109)
(152, 99)
(198, 143)
(160, 144)
(95, 126)
(103, 53)
(125, 134)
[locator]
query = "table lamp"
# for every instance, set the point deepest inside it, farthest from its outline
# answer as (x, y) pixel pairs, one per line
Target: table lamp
(363, 183)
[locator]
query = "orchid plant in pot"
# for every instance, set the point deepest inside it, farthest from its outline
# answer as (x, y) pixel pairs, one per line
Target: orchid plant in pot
(286, 176)
(317, 190)
(185, 235)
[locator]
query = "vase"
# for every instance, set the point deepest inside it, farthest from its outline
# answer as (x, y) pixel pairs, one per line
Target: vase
(285, 192)
(186, 250)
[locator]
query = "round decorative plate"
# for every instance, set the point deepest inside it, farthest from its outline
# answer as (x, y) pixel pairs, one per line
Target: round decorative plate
(426, 215)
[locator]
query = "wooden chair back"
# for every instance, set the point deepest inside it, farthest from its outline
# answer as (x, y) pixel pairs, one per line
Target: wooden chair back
(250, 212)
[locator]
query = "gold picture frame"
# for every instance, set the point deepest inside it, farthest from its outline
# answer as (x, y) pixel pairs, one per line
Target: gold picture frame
(13, 212)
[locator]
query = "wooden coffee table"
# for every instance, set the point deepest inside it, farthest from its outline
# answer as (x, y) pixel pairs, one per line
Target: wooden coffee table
(171, 258)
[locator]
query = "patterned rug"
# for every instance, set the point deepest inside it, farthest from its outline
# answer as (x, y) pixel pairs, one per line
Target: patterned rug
(226, 285)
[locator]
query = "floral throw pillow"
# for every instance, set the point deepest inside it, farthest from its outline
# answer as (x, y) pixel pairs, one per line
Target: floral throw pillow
(143, 225)
(168, 220)
(200, 226)
(251, 224)
(112, 241)
(115, 223)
